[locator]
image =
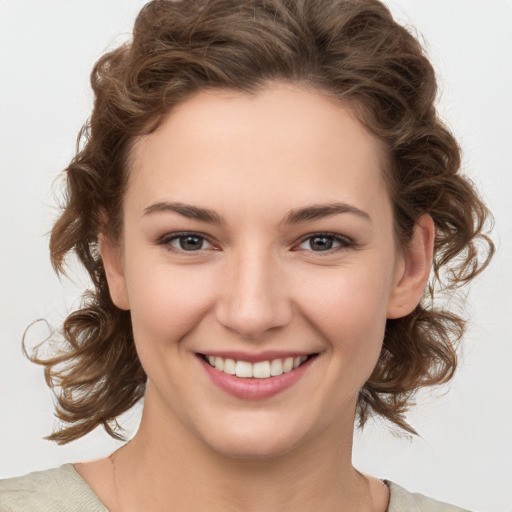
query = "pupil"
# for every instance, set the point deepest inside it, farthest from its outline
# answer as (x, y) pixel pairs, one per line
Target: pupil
(321, 243)
(191, 243)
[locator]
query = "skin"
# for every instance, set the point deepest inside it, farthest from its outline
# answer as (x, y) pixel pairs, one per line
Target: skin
(257, 283)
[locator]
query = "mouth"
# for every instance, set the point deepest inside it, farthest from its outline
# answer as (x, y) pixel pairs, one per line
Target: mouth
(258, 370)
(262, 377)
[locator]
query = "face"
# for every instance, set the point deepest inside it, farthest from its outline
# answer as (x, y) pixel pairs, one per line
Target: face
(258, 240)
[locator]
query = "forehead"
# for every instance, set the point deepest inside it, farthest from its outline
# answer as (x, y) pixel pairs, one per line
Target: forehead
(284, 144)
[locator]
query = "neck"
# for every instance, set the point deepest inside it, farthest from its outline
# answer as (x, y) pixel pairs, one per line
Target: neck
(170, 466)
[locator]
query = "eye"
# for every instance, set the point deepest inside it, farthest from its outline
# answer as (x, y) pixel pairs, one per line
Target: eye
(188, 242)
(324, 242)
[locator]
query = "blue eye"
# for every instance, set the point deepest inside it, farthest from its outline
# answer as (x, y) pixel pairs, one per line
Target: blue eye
(323, 242)
(188, 242)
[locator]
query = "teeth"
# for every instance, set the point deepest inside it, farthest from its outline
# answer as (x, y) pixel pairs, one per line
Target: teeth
(276, 367)
(242, 369)
(260, 370)
(229, 366)
(298, 361)
(219, 363)
(288, 365)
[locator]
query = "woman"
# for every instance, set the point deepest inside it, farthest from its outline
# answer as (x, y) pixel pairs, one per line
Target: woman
(258, 200)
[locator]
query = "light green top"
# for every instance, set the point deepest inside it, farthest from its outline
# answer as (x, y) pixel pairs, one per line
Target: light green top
(63, 490)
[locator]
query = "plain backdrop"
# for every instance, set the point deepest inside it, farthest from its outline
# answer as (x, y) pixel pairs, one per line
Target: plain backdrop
(47, 49)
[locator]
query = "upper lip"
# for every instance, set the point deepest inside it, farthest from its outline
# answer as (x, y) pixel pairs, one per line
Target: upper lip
(256, 357)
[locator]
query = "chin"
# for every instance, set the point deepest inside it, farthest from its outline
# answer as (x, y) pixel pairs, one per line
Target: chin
(243, 441)
(253, 449)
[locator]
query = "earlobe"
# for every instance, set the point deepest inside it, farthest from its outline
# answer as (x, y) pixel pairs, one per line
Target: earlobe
(414, 271)
(112, 262)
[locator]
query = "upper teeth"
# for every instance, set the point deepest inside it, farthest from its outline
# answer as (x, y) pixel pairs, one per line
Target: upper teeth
(260, 370)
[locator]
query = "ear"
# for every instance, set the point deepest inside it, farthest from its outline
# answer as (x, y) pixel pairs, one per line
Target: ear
(413, 269)
(111, 255)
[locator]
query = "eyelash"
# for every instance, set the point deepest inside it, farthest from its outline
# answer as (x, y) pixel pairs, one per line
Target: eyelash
(342, 241)
(167, 240)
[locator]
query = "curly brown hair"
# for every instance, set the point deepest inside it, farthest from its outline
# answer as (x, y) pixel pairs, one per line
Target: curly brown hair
(351, 49)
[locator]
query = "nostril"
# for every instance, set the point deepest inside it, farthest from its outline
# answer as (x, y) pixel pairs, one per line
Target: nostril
(251, 321)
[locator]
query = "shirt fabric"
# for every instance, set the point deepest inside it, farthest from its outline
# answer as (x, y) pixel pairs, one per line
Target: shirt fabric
(63, 490)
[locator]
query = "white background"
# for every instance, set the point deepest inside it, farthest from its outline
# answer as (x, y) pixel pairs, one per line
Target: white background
(47, 49)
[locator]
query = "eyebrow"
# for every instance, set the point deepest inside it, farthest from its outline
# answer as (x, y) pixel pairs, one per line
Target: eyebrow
(187, 210)
(298, 216)
(315, 212)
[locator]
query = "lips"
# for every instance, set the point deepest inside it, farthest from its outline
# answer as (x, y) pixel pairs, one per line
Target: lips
(266, 376)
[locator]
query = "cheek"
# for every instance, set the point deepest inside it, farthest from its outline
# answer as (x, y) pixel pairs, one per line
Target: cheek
(167, 302)
(348, 307)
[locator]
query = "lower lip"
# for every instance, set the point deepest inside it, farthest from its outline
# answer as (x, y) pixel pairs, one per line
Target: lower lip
(252, 388)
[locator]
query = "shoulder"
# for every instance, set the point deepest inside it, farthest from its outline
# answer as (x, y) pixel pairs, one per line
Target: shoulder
(405, 501)
(57, 490)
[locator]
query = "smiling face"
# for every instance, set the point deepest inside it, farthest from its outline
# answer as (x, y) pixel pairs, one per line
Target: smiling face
(258, 240)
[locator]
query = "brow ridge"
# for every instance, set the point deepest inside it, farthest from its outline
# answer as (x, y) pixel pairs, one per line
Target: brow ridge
(187, 210)
(297, 216)
(320, 211)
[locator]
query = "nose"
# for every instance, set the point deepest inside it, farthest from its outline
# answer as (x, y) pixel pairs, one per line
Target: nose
(254, 299)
